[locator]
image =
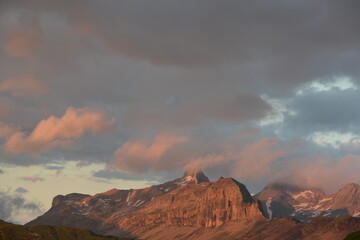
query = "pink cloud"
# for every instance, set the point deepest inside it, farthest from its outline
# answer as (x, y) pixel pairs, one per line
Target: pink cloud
(328, 174)
(142, 155)
(23, 43)
(60, 132)
(255, 159)
(24, 86)
(32, 178)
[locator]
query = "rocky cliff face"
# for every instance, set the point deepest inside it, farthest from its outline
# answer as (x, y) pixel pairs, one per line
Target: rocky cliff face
(191, 207)
(281, 200)
(102, 211)
(190, 201)
(201, 205)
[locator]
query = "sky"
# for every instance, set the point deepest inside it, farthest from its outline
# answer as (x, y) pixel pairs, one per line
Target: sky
(96, 95)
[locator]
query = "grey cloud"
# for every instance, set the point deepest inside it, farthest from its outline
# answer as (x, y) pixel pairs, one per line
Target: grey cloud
(21, 190)
(1, 171)
(53, 167)
(107, 174)
(11, 203)
(183, 66)
(332, 110)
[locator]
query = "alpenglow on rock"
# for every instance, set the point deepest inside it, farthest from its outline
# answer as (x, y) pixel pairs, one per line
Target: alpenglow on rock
(188, 201)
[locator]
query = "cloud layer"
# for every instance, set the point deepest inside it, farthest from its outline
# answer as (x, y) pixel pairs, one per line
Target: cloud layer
(251, 89)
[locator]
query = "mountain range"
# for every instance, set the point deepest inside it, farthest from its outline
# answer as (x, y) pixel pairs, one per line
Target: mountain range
(282, 200)
(192, 207)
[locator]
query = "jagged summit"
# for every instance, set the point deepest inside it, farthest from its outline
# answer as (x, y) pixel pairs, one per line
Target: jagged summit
(195, 176)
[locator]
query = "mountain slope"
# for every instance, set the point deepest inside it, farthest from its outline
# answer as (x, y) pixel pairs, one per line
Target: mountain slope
(191, 207)
(321, 228)
(10, 231)
(201, 205)
(282, 200)
(190, 201)
(101, 211)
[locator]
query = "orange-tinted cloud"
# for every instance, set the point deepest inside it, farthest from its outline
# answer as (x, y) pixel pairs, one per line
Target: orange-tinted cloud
(23, 43)
(255, 160)
(59, 132)
(322, 172)
(142, 155)
(84, 29)
(25, 86)
(32, 178)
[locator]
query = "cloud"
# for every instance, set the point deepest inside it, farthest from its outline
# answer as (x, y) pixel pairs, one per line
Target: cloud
(243, 156)
(25, 86)
(15, 208)
(1, 171)
(228, 65)
(23, 43)
(59, 132)
(144, 155)
(21, 190)
(32, 178)
(6, 130)
(7, 107)
(54, 167)
(255, 160)
(329, 174)
(106, 174)
(332, 138)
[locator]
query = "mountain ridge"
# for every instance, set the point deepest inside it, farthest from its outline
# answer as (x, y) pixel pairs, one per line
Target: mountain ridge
(283, 200)
(192, 207)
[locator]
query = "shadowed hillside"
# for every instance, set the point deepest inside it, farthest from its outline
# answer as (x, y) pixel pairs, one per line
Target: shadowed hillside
(10, 231)
(353, 236)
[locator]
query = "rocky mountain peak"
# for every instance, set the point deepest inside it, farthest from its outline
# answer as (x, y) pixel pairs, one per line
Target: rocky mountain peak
(350, 187)
(195, 176)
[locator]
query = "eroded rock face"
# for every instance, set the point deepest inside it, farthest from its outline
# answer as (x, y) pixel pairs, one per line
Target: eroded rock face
(103, 211)
(198, 205)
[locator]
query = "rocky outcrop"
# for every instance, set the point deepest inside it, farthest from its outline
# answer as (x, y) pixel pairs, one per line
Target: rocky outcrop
(201, 205)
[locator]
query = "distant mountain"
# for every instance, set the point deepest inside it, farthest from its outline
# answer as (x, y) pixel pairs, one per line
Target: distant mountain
(283, 200)
(10, 231)
(190, 201)
(191, 207)
(102, 211)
